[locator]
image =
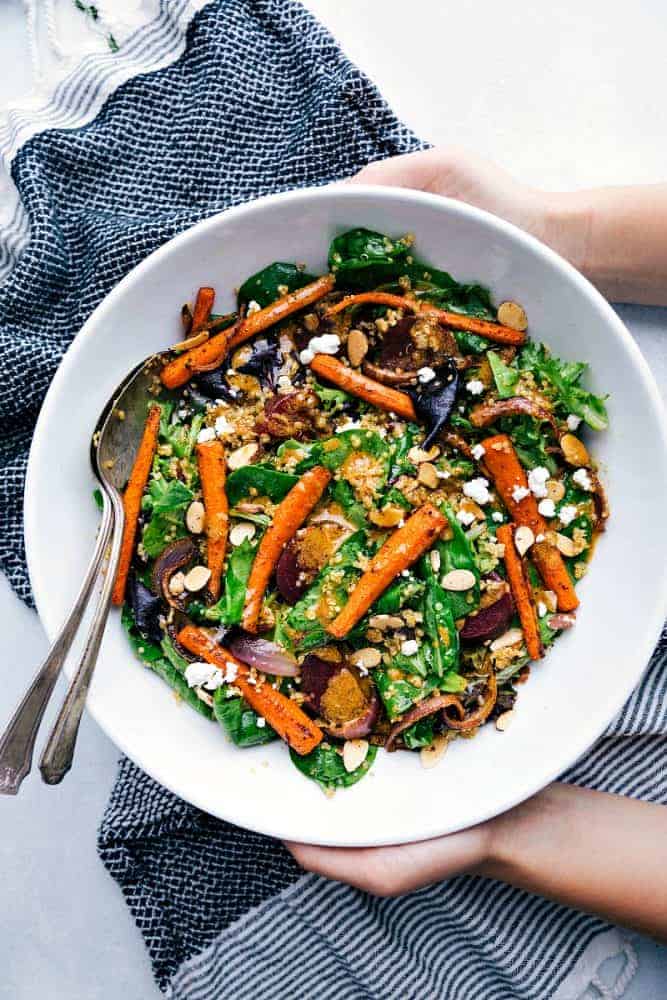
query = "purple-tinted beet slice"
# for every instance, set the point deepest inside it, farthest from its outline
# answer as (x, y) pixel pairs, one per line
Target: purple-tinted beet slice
(397, 348)
(327, 687)
(490, 622)
(290, 578)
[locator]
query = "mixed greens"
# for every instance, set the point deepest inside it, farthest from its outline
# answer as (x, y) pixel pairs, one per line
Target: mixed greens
(363, 504)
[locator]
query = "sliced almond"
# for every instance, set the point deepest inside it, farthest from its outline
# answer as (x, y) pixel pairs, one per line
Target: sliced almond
(242, 456)
(384, 622)
(366, 658)
(388, 517)
(503, 721)
(555, 490)
(197, 578)
(430, 755)
(459, 580)
(357, 347)
(513, 315)
(177, 584)
(240, 532)
(523, 539)
(418, 455)
(354, 754)
(574, 451)
(434, 557)
(550, 599)
(509, 638)
(567, 547)
(195, 341)
(195, 517)
(428, 475)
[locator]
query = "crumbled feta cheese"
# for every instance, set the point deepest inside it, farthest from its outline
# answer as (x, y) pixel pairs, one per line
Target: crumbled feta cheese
(205, 434)
(497, 517)
(409, 647)
(547, 507)
(253, 307)
(442, 473)
(477, 451)
(223, 426)
(519, 493)
(465, 517)
(425, 375)
(537, 479)
(351, 425)
(541, 609)
(567, 514)
(475, 387)
(327, 343)
(582, 478)
(477, 490)
(573, 422)
(231, 673)
(203, 674)
(261, 722)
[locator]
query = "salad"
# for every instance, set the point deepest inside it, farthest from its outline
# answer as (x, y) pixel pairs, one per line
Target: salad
(359, 509)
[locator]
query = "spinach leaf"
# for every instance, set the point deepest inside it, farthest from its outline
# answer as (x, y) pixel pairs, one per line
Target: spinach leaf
(325, 766)
(331, 399)
(564, 377)
(531, 440)
(263, 286)
(399, 447)
(504, 375)
(405, 592)
(166, 501)
(420, 733)
(332, 452)
(442, 651)
(229, 609)
(470, 343)
(363, 259)
(457, 553)
(239, 721)
(154, 657)
(262, 478)
(97, 497)
(398, 696)
(343, 494)
(165, 497)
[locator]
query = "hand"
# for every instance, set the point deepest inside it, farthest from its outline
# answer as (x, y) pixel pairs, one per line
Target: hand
(467, 177)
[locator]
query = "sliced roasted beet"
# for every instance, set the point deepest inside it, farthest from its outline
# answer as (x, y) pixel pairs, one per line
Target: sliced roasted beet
(397, 349)
(176, 555)
(490, 622)
(434, 400)
(290, 416)
(305, 555)
(146, 608)
(290, 578)
(346, 700)
(214, 385)
(264, 363)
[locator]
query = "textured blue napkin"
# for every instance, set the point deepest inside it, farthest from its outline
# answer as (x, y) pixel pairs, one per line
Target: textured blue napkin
(262, 101)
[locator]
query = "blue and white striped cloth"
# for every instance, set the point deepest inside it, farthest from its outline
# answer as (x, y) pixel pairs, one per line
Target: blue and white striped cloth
(257, 98)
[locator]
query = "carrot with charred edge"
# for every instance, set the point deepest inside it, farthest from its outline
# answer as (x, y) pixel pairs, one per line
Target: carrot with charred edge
(211, 464)
(400, 550)
(134, 491)
(352, 381)
(503, 466)
(482, 327)
(202, 309)
(521, 592)
(282, 714)
(209, 355)
(288, 518)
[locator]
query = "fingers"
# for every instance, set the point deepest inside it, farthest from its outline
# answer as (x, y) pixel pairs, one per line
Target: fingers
(413, 170)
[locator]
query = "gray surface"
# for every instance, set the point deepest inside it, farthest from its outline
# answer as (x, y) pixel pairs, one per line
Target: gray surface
(66, 932)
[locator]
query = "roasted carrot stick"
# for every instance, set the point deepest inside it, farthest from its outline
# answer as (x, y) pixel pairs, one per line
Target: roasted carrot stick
(352, 381)
(483, 327)
(502, 463)
(282, 714)
(288, 518)
(521, 592)
(202, 309)
(212, 353)
(134, 491)
(400, 550)
(211, 463)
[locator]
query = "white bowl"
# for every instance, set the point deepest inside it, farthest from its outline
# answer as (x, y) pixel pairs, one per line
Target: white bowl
(570, 697)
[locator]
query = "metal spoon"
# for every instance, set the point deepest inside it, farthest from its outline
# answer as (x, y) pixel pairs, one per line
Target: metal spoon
(113, 447)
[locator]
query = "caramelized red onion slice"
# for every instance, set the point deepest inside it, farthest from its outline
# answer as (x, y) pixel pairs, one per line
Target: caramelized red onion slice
(176, 555)
(264, 655)
(387, 377)
(488, 413)
(480, 714)
(561, 621)
(429, 706)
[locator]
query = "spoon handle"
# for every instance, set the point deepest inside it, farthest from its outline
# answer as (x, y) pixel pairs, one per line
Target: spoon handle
(18, 740)
(58, 754)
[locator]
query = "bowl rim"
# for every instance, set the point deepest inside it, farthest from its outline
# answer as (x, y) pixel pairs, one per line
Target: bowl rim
(349, 192)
